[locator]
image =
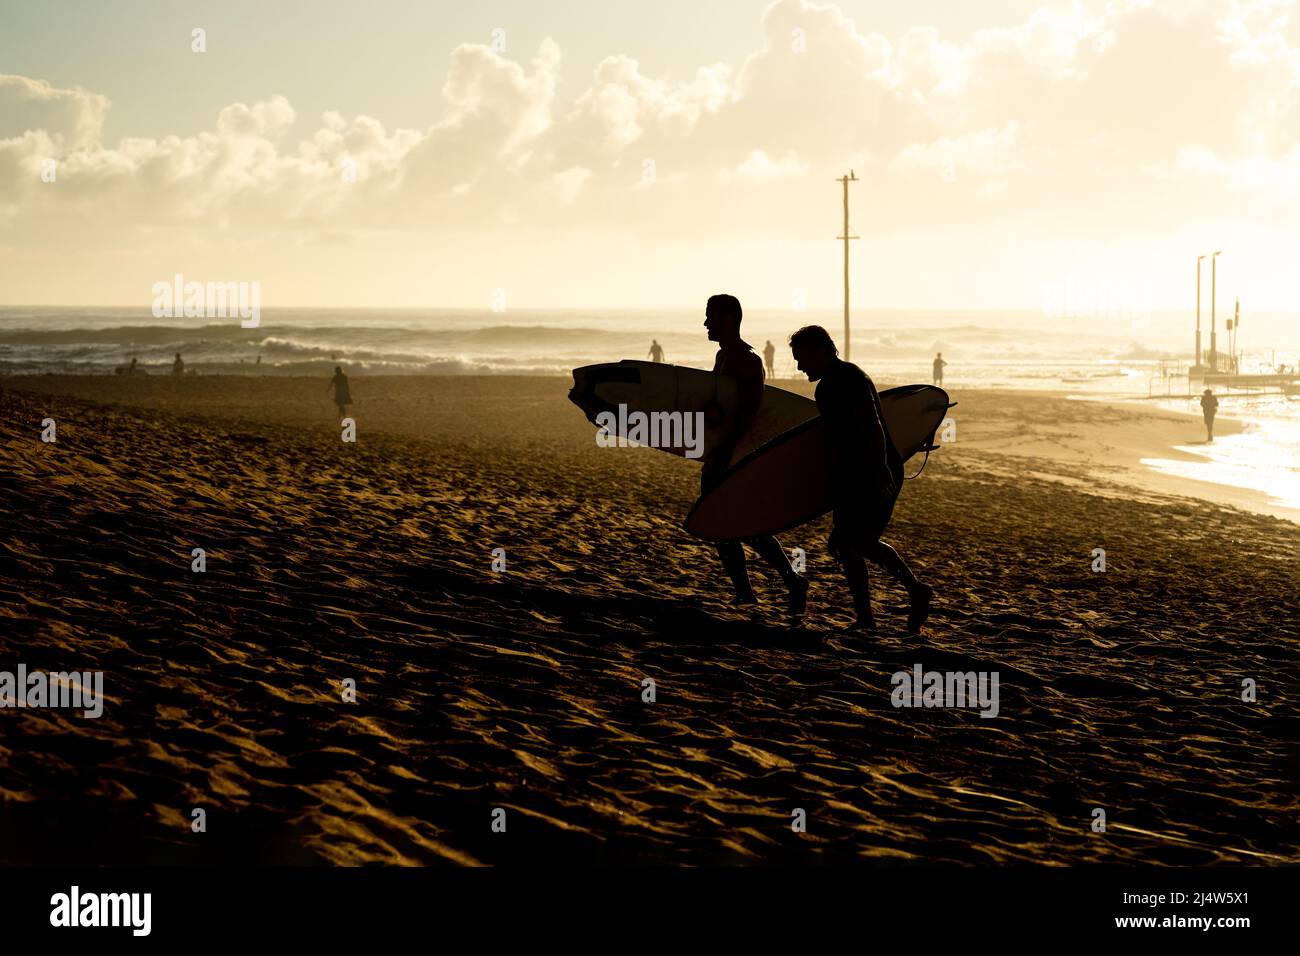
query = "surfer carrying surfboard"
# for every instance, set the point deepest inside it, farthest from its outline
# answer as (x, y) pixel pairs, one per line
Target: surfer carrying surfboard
(866, 473)
(737, 359)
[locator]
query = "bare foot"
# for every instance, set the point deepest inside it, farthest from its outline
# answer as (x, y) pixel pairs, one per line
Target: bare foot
(797, 602)
(863, 625)
(920, 608)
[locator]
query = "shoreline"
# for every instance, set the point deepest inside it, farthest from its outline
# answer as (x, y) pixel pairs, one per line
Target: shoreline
(1111, 445)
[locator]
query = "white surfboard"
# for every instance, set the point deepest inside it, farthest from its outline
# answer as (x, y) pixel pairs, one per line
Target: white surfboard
(657, 387)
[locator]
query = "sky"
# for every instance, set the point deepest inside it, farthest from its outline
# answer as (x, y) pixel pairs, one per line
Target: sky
(1065, 156)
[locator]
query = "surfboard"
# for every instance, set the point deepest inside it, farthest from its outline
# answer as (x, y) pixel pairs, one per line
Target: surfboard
(787, 481)
(618, 389)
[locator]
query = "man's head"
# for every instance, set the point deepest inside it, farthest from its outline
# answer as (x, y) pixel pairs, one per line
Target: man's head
(722, 317)
(813, 351)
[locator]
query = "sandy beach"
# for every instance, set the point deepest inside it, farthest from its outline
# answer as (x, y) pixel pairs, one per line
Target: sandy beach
(522, 689)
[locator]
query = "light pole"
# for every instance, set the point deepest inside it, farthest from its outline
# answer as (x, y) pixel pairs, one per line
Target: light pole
(1198, 309)
(850, 178)
(1214, 329)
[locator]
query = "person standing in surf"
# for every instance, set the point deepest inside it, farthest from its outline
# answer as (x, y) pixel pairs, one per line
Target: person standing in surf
(656, 351)
(866, 473)
(769, 356)
(736, 358)
(342, 394)
(1209, 408)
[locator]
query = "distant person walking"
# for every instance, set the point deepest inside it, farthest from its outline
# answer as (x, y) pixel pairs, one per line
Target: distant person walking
(939, 364)
(866, 473)
(342, 394)
(656, 351)
(769, 356)
(736, 359)
(178, 366)
(132, 369)
(1209, 407)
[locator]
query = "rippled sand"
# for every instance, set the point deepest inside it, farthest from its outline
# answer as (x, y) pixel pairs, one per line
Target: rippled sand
(522, 690)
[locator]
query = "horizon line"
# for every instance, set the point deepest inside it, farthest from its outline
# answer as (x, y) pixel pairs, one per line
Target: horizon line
(837, 309)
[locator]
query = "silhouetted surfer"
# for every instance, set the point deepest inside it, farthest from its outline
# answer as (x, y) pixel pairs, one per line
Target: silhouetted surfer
(939, 363)
(342, 394)
(656, 351)
(866, 472)
(769, 355)
(1209, 408)
(736, 358)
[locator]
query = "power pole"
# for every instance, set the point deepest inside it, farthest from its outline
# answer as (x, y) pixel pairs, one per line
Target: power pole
(1198, 310)
(1236, 327)
(1214, 325)
(850, 178)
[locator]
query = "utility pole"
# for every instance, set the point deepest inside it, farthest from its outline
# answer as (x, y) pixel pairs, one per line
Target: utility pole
(1198, 309)
(1214, 325)
(1236, 326)
(850, 178)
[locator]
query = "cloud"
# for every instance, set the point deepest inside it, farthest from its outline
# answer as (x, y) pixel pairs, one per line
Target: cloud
(70, 118)
(758, 167)
(989, 154)
(622, 104)
(569, 183)
(1029, 122)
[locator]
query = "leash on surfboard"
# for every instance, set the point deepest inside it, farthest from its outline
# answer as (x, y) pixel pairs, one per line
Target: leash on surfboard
(929, 447)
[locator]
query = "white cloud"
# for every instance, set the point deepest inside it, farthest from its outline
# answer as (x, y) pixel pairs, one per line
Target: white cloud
(71, 118)
(569, 183)
(1032, 115)
(759, 168)
(990, 153)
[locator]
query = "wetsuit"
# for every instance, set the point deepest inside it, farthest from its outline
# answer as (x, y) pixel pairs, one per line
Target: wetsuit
(850, 405)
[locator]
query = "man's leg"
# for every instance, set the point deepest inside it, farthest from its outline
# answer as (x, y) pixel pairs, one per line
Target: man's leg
(770, 550)
(844, 549)
(859, 582)
(918, 593)
(732, 554)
